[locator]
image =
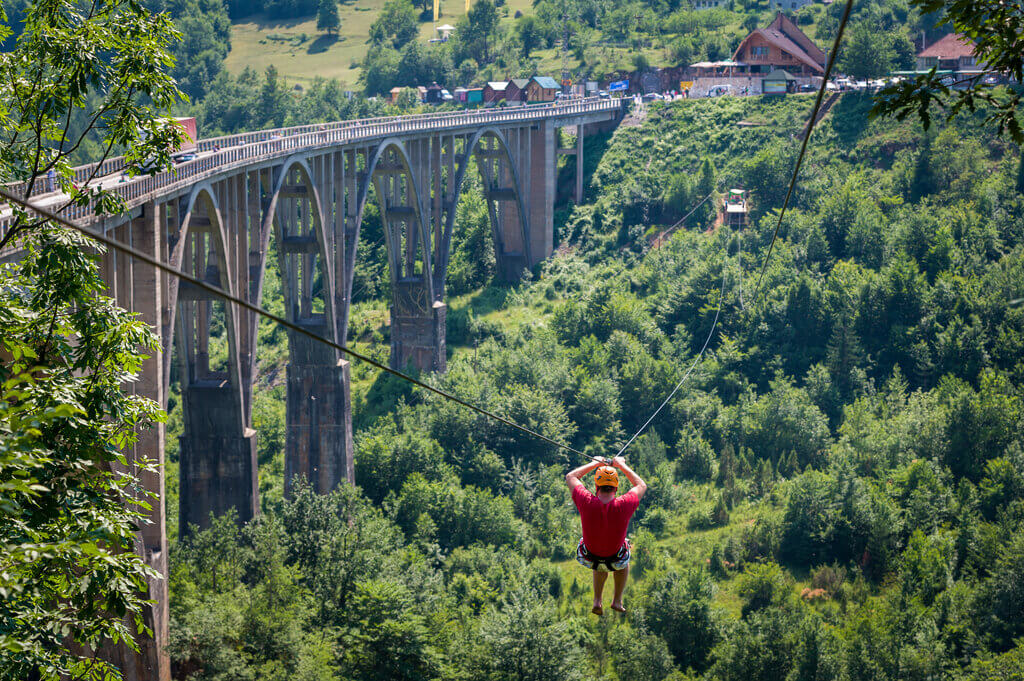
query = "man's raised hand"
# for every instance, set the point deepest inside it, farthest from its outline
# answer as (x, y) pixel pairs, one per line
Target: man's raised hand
(619, 462)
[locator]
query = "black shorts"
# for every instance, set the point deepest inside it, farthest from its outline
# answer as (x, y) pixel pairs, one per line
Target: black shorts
(620, 561)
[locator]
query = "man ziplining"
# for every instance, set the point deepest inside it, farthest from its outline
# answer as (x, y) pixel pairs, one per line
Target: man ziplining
(605, 519)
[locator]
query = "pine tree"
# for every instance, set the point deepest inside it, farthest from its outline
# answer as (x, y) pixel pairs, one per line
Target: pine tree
(327, 17)
(720, 515)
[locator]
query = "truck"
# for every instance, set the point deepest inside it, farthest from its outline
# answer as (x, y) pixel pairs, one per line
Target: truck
(188, 149)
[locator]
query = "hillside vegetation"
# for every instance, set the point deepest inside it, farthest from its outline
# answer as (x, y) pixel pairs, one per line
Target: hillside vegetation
(383, 43)
(836, 493)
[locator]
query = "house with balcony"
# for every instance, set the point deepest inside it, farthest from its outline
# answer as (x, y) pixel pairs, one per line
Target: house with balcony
(780, 46)
(952, 52)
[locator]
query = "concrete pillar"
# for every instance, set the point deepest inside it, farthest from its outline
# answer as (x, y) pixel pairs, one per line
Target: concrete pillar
(318, 419)
(579, 164)
(417, 328)
(217, 462)
(145, 298)
(511, 260)
(541, 191)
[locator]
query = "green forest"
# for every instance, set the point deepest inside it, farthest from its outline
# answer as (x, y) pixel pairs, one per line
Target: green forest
(836, 493)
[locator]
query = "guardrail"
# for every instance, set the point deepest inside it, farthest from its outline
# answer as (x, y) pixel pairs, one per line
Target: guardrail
(248, 148)
(85, 173)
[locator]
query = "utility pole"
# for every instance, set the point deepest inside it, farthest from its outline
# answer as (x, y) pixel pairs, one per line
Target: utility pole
(565, 50)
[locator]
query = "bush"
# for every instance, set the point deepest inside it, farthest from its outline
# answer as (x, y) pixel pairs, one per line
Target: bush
(656, 521)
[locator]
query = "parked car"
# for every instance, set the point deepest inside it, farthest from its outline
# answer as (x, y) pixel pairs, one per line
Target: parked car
(602, 94)
(651, 97)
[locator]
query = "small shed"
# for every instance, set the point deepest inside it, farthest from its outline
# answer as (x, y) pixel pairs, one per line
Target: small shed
(460, 94)
(421, 92)
(515, 91)
(394, 93)
(778, 82)
(474, 95)
(433, 94)
(494, 92)
(541, 89)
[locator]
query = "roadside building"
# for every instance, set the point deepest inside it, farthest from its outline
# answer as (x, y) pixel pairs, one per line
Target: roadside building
(542, 89)
(952, 52)
(791, 4)
(778, 82)
(515, 91)
(494, 92)
(710, 4)
(394, 93)
(474, 95)
(433, 95)
(781, 46)
(460, 94)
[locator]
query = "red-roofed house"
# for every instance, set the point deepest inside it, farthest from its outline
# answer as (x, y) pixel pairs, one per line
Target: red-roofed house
(783, 46)
(952, 52)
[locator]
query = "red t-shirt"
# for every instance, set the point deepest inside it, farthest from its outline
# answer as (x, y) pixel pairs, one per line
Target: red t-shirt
(604, 525)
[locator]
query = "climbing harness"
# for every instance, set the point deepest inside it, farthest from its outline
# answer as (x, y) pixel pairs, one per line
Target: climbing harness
(603, 563)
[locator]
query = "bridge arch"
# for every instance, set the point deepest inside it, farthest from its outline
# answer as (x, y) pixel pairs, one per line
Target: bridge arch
(318, 406)
(417, 317)
(492, 192)
(389, 172)
(316, 242)
(217, 450)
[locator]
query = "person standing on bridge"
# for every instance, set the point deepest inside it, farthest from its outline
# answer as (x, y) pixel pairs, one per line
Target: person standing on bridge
(605, 519)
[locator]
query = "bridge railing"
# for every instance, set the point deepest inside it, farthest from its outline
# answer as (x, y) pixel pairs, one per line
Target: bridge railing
(85, 173)
(273, 143)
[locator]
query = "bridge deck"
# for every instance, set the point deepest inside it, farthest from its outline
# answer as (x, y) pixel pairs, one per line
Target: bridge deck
(225, 153)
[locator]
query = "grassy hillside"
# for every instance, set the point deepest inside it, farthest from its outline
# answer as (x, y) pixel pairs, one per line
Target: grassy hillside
(300, 53)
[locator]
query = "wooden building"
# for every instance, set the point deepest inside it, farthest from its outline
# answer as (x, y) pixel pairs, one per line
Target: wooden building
(780, 46)
(952, 52)
(541, 89)
(515, 91)
(494, 92)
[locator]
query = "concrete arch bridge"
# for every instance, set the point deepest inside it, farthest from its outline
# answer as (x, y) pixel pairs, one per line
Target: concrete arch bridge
(305, 189)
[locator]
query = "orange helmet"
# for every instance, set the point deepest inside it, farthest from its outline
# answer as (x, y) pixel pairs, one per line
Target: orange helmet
(606, 475)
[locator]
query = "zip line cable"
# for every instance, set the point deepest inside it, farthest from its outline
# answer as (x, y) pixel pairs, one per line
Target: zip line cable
(803, 146)
(693, 365)
(680, 221)
(789, 193)
(217, 291)
(220, 293)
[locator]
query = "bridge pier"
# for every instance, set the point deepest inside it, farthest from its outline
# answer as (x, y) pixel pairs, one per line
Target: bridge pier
(417, 329)
(541, 185)
(217, 467)
(318, 417)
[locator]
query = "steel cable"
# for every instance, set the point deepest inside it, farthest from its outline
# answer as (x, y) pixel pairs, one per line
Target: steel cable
(789, 193)
(220, 293)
